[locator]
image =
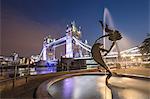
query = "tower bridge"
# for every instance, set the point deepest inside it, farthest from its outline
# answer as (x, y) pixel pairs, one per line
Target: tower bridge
(74, 47)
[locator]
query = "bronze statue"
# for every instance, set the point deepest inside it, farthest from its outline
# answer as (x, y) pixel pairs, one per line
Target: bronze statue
(97, 48)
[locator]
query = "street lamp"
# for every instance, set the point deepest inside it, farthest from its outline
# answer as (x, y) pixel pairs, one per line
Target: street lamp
(124, 57)
(139, 61)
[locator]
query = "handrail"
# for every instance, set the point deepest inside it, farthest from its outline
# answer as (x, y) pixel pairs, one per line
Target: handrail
(9, 79)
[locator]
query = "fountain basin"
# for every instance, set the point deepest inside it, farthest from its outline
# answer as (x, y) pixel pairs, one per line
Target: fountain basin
(92, 86)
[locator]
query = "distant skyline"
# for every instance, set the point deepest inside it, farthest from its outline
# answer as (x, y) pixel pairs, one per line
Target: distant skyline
(24, 23)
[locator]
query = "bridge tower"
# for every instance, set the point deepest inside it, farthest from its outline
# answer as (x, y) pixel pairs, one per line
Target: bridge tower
(72, 48)
(44, 53)
(47, 40)
(69, 46)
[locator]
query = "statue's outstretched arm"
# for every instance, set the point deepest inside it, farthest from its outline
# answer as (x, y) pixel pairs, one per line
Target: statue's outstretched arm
(101, 37)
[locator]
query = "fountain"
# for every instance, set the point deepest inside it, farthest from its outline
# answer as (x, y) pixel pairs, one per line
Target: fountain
(125, 43)
(98, 51)
(92, 85)
(107, 16)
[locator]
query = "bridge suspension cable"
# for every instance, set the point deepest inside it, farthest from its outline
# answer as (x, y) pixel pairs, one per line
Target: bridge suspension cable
(82, 45)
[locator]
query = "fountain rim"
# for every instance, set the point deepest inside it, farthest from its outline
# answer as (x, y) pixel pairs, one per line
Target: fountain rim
(44, 87)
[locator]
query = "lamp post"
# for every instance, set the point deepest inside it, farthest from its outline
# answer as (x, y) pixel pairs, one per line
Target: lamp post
(124, 57)
(139, 61)
(132, 59)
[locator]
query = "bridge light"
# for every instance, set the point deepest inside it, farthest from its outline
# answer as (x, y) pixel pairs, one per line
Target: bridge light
(132, 57)
(79, 32)
(86, 42)
(74, 29)
(134, 60)
(124, 55)
(50, 54)
(139, 59)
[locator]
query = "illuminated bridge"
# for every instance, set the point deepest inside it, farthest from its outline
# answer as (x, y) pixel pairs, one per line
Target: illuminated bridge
(75, 48)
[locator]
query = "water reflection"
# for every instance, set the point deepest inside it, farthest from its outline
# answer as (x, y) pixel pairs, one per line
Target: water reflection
(37, 70)
(94, 87)
(128, 88)
(45, 70)
(103, 89)
(68, 87)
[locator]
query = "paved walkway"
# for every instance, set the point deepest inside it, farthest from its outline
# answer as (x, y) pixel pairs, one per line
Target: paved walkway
(134, 70)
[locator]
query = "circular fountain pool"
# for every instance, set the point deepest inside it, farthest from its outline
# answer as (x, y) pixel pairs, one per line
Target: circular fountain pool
(94, 87)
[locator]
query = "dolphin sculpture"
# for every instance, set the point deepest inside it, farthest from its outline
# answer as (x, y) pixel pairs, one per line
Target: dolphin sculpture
(97, 48)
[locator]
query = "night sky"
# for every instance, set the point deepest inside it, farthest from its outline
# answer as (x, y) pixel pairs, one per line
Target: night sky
(24, 23)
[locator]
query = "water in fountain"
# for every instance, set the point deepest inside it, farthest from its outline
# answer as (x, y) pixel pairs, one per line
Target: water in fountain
(107, 19)
(124, 43)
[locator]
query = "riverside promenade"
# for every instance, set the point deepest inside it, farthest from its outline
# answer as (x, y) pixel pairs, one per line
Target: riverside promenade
(26, 90)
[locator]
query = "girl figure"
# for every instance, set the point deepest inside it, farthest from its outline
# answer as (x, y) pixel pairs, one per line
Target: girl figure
(97, 48)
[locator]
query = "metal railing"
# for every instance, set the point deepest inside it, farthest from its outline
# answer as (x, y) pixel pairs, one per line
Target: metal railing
(10, 81)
